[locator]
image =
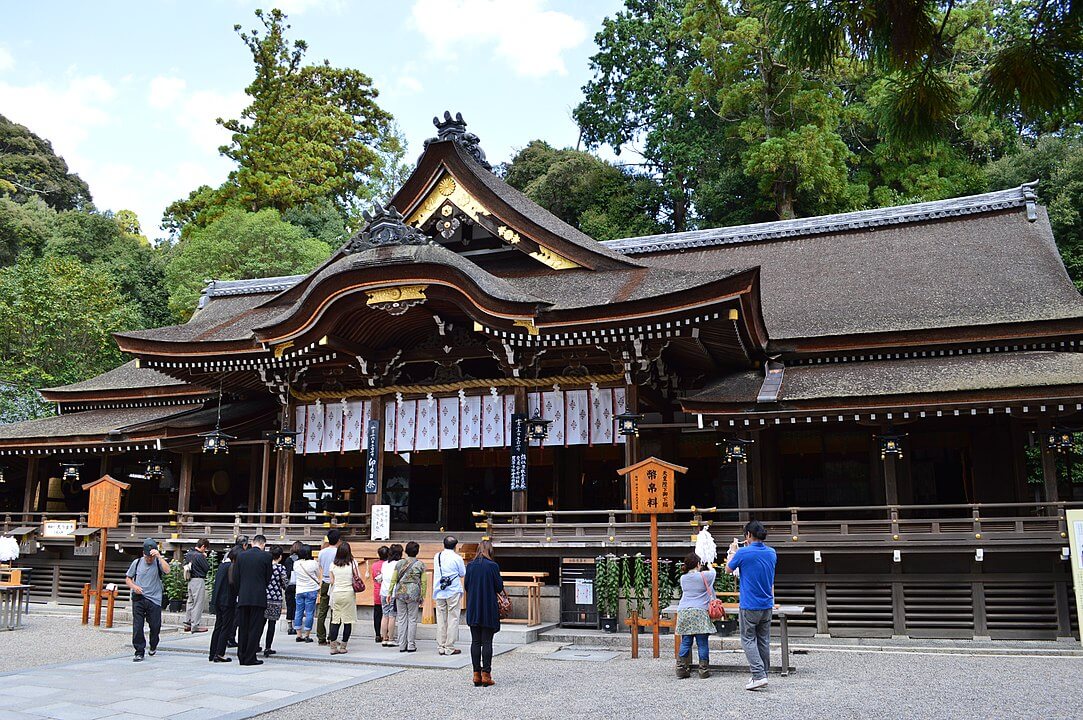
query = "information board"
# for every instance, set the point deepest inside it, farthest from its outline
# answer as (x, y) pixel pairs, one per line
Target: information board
(381, 523)
(57, 528)
(104, 504)
(519, 447)
(652, 485)
(372, 459)
(1075, 548)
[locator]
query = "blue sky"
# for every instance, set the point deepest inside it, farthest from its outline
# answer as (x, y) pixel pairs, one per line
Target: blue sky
(128, 92)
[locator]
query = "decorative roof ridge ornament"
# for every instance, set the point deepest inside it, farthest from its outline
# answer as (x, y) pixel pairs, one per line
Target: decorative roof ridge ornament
(454, 129)
(384, 227)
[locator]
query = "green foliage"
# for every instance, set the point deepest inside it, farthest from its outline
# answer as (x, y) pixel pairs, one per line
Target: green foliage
(310, 131)
(586, 192)
(57, 316)
(174, 584)
(723, 581)
(24, 227)
(238, 246)
(29, 168)
(1057, 164)
(666, 587)
(607, 585)
(641, 583)
(319, 219)
(21, 402)
(213, 561)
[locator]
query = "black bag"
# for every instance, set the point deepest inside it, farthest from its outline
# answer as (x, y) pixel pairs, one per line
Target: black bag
(445, 580)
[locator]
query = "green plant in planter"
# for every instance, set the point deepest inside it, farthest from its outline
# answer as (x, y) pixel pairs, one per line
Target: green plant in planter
(607, 585)
(665, 584)
(174, 584)
(626, 581)
(641, 580)
(723, 581)
(213, 562)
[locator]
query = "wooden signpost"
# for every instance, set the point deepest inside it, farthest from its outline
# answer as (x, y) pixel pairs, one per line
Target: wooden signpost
(104, 514)
(653, 483)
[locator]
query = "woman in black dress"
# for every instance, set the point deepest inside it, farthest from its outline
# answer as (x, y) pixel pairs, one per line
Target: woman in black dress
(483, 584)
(224, 602)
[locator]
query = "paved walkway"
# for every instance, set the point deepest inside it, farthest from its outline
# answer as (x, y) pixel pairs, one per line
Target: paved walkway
(178, 686)
(363, 650)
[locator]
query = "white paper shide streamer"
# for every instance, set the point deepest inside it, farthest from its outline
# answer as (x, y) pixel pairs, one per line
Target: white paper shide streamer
(705, 546)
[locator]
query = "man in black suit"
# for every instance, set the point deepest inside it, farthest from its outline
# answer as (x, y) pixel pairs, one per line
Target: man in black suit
(252, 572)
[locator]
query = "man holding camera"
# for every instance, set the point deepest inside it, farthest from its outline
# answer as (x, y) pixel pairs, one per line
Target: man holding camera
(144, 579)
(447, 590)
(756, 564)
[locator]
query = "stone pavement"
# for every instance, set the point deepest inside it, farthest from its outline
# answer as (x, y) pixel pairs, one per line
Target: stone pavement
(363, 650)
(173, 685)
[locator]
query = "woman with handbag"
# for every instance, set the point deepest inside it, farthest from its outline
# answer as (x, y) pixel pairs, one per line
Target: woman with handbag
(486, 604)
(694, 614)
(408, 588)
(276, 598)
(345, 583)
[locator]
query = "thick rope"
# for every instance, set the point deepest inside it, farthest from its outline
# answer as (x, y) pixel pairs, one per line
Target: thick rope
(454, 387)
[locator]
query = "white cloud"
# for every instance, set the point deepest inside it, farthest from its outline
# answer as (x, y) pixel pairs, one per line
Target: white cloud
(408, 85)
(6, 60)
(164, 91)
(198, 112)
(523, 33)
(64, 115)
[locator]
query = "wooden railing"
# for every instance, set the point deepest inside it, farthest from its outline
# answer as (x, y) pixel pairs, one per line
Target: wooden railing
(863, 526)
(218, 527)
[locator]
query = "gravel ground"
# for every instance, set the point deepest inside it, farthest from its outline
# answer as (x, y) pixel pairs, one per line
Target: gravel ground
(832, 685)
(47, 640)
(838, 685)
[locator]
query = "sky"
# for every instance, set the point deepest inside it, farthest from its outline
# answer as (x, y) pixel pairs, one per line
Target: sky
(128, 92)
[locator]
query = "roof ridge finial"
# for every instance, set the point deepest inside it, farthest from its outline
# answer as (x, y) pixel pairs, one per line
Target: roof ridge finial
(453, 129)
(384, 226)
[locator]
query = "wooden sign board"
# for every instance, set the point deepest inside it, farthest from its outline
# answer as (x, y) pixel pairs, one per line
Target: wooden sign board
(652, 484)
(104, 501)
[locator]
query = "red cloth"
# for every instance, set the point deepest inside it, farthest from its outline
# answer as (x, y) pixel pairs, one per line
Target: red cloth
(377, 567)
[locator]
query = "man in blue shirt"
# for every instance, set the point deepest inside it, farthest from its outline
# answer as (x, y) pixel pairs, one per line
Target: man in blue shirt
(755, 564)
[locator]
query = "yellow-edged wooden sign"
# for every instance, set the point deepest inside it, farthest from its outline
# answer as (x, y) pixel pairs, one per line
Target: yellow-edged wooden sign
(104, 501)
(652, 484)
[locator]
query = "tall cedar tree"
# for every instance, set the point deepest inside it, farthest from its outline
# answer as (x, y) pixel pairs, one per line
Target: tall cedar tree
(30, 168)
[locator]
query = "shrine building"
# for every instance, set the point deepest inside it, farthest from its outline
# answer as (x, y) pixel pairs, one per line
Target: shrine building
(895, 392)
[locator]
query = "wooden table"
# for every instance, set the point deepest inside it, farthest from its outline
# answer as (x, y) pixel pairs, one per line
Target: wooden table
(782, 612)
(11, 605)
(533, 582)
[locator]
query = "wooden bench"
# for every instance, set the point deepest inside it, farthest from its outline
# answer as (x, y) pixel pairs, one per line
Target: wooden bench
(533, 582)
(782, 612)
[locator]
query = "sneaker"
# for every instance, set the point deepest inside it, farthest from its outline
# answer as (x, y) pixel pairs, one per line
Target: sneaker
(199, 629)
(187, 628)
(137, 658)
(439, 651)
(299, 638)
(453, 651)
(756, 684)
(152, 652)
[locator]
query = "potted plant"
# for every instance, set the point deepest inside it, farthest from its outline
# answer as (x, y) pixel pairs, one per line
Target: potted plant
(726, 584)
(175, 587)
(607, 592)
(665, 587)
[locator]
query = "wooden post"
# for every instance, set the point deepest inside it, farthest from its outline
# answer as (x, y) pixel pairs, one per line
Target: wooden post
(654, 582)
(742, 490)
(254, 472)
(86, 603)
(283, 481)
(103, 548)
(184, 492)
(1049, 474)
(264, 481)
(31, 484)
(633, 618)
(377, 497)
(891, 486)
(631, 442)
(519, 497)
(112, 597)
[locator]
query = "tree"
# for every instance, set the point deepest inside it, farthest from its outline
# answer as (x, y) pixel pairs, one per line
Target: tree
(639, 98)
(310, 132)
(24, 227)
(588, 193)
(1035, 72)
(30, 168)
(1057, 164)
(57, 316)
(238, 246)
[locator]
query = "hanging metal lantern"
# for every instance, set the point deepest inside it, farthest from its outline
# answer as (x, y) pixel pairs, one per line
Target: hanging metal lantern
(628, 423)
(890, 446)
(71, 471)
(734, 450)
(285, 440)
(537, 427)
(155, 470)
(1059, 440)
(216, 441)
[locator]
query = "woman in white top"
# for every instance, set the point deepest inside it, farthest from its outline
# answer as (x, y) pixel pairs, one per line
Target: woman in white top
(387, 598)
(307, 572)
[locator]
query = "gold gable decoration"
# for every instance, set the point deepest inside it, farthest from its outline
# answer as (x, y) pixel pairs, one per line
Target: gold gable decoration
(446, 189)
(396, 300)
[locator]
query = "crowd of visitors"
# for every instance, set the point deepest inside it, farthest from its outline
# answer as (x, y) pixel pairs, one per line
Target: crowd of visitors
(254, 584)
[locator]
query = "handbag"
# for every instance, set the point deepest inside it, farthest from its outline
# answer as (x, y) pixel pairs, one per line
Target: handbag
(503, 605)
(358, 582)
(716, 611)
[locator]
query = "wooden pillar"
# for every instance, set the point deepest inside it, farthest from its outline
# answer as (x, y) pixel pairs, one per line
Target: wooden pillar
(29, 504)
(283, 481)
(103, 466)
(254, 472)
(264, 479)
(891, 486)
(184, 493)
(631, 442)
(519, 497)
(377, 413)
(1049, 471)
(744, 487)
